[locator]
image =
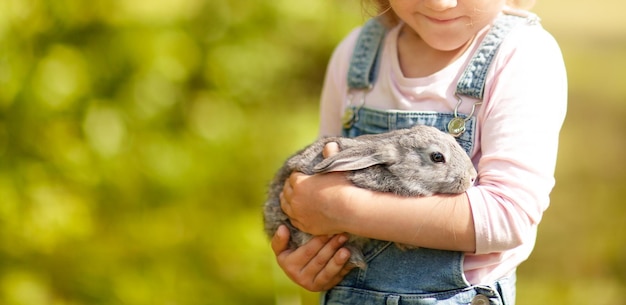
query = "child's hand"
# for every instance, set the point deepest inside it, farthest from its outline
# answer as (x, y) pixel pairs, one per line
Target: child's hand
(315, 204)
(318, 265)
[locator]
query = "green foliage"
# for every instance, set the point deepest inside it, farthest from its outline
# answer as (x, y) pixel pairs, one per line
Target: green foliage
(137, 139)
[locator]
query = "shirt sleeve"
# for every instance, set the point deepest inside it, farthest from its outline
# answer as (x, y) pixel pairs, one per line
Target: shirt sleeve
(334, 90)
(519, 124)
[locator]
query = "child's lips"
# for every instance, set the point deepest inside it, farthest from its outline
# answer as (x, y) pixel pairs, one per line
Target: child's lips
(444, 20)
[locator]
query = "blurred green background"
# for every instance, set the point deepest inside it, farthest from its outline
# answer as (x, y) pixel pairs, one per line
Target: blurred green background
(137, 139)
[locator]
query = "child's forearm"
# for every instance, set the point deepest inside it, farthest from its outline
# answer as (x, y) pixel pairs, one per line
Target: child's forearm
(439, 222)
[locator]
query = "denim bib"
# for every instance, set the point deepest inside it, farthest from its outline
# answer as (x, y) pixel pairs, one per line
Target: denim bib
(418, 276)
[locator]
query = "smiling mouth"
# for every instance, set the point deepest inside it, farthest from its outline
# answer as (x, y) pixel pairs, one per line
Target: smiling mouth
(442, 21)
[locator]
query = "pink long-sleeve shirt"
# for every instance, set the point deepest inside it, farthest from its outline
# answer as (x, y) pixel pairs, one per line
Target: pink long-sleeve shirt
(516, 137)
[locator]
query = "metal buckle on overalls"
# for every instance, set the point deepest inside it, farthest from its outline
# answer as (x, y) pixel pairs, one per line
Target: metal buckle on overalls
(350, 115)
(456, 126)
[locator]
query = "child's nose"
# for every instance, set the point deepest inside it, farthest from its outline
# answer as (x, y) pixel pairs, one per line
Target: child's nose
(440, 5)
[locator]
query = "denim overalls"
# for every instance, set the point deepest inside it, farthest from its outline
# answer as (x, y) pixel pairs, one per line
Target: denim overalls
(418, 276)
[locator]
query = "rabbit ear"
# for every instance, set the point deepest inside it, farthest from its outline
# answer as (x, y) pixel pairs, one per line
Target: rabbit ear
(351, 159)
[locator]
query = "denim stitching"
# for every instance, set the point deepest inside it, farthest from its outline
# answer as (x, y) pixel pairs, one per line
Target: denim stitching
(472, 82)
(364, 62)
(372, 121)
(462, 295)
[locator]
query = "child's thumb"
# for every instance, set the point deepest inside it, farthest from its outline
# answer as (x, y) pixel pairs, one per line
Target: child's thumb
(280, 240)
(331, 148)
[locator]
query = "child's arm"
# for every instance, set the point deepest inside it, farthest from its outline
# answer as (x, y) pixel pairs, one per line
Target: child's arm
(330, 204)
(326, 204)
(321, 263)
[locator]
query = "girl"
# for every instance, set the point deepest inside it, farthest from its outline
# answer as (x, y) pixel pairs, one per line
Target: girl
(482, 70)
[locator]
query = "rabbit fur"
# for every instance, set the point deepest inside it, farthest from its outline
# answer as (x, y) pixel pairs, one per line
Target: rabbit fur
(419, 161)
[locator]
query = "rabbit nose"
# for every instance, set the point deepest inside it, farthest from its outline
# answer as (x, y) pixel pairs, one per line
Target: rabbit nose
(472, 179)
(472, 176)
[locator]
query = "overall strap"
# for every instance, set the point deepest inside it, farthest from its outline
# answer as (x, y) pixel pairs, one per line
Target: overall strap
(363, 68)
(364, 62)
(472, 82)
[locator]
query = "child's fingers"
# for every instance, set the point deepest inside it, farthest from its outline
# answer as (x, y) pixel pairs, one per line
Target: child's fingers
(322, 271)
(330, 149)
(280, 240)
(294, 261)
(317, 265)
(334, 271)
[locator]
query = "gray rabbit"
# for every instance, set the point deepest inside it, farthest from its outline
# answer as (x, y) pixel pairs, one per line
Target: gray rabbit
(419, 161)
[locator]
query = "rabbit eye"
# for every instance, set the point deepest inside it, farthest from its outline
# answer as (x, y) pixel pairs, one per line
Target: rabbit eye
(437, 157)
